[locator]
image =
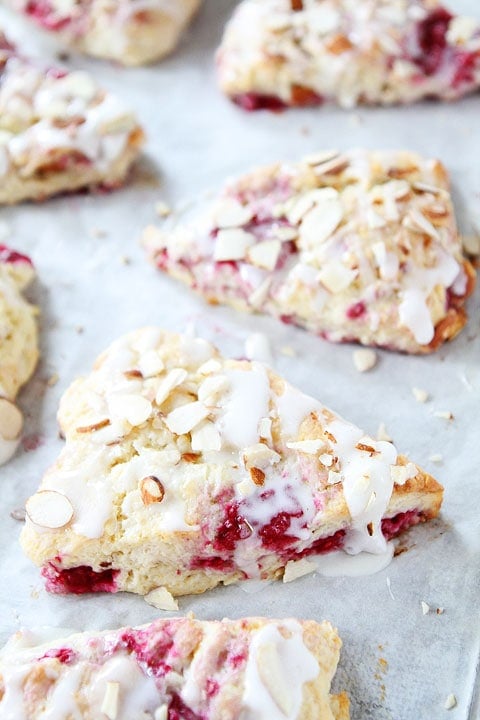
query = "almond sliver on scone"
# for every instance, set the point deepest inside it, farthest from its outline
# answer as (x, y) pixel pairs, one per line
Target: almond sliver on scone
(358, 246)
(229, 474)
(248, 669)
(279, 53)
(59, 131)
(18, 344)
(131, 32)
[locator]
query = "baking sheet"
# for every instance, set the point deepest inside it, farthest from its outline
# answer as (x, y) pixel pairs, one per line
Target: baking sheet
(94, 284)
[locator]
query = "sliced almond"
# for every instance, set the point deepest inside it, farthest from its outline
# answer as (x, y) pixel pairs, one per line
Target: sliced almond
(172, 380)
(336, 277)
(110, 700)
(298, 206)
(230, 213)
(425, 607)
(133, 408)
(257, 475)
(334, 477)
(332, 167)
(401, 473)
(364, 359)
(450, 702)
(162, 599)
(232, 244)
(273, 677)
(416, 221)
(184, 418)
(320, 222)
(265, 254)
(259, 456)
(427, 188)
(206, 438)
(326, 459)
(93, 427)
(285, 233)
(212, 388)
(382, 433)
(11, 420)
(151, 490)
(298, 568)
(320, 157)
(311, 447)
(150, 363)
(420, 395)
(49, 509)
(260, 294)
(265, 428)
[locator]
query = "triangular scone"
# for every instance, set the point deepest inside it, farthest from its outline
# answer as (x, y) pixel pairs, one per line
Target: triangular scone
(59, 131)
(180, 669)
(127, 31)
(18, 344)
(278, 53)
(183, 469)
(358, 246)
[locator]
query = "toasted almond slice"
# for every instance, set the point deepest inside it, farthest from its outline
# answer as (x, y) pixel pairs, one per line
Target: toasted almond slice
(335, 277)
(206, 438)
(186, 417)
(133, 408)
(273, 677)
(212, 388)
(49, 509)
(320, 157)
(93, 427)
(333, 166)
(265, 428)
(298, 568)
(232, 244)
(230, 213)
(416, 221)
(427, 188)
(401, 473)
(162, 599)
(257, 476)
(209, 367)
(151, 490)
(320, 222)
(297, 207)
(260, 456)
(174, 378)
(265, 254)
(311, 447)
(11, 420)
(110, 700)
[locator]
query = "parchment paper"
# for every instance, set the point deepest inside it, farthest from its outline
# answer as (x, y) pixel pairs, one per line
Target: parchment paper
(397, 664)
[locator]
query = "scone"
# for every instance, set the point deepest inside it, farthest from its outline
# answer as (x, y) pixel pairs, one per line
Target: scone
(18, 344)
(131, 32)
(59, 131)
(183, 469)
(279, 53)
(355, 247)
(177, 669)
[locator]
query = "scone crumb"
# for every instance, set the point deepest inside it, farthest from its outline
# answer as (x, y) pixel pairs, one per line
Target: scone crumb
(162, 209)
(436, 458)
(298, 568)
(161, 599)
(110, 700)
(450, 702)
(440, 611)
(444, 414)
(382, 433)
(364, 360)
(425, 607)
(420, 395)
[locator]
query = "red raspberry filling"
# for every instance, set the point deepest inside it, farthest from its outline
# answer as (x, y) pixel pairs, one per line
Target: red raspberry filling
(177, 710)
(432, 40)
(151, 650)
(391, 527)
(64, 655)
(78, 580)
(12, 256)
(232, 529)
(255, 101)
(42, 12)
(356, 310)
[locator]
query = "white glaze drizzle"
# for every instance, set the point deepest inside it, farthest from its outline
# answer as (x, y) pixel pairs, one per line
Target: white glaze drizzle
(245, 405)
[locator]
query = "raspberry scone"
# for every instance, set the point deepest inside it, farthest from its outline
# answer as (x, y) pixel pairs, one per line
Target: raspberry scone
(279, 53)
(18, 344)
(183, 469)
(59, 131)
(177, 669)
(359, 246)
(132, 32)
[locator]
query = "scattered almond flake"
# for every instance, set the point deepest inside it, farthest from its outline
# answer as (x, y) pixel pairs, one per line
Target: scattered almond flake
(211, 366)
(444, 414)
(265, 428)
(260, 294)
(334, 477)
(18, 514)
(311, 447)
(326, 459)
(440, 610)
(53, 380)
(49, 509)
(230, 213)
(265, 254)
(150, 364)
(425, 187)
(319, 224)
(11, 420)
(436, 458)
(162, 599)
(285, 233)
(232, 244)
(288, 351)
(212, 388)
(335, 277)
(420, 395)
(133, 408)
(174, 378)
(162, 209)
(260, 456)
(364, 359)
(186, 417)
(416, 221)
(450, 702)
(382, 433)
(320, 157)
(272, 676)
(298, 568)
(257, 347)
(471, 244)
(161, 713)
(206, 438)
(401, 473)
(333, 166)
(298, 206)
(425, 607)
(375, 220)
(110, 700)
(151, 490)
